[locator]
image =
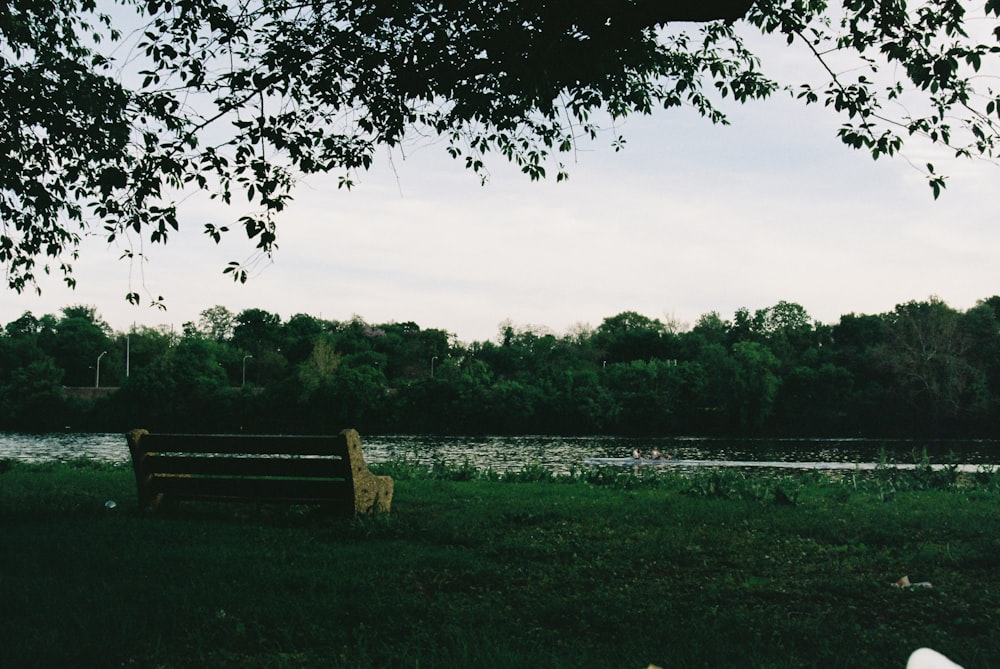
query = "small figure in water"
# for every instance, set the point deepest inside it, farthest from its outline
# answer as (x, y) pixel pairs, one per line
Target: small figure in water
(656, 455)
(636, 454)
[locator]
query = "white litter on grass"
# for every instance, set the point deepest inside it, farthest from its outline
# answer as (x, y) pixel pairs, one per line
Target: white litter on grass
(925, 658)
(905, 583)
(110, 504)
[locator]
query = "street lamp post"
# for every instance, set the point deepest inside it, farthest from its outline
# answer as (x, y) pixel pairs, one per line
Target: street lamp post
(97, 381)
(432, 365)
(244, 383)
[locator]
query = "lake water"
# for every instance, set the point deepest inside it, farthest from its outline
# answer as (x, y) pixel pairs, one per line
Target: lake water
(564, 454)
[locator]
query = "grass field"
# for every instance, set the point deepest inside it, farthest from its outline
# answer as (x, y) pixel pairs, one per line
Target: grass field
(600, 569)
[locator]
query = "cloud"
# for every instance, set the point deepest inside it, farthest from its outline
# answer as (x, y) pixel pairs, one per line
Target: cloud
(689, 218)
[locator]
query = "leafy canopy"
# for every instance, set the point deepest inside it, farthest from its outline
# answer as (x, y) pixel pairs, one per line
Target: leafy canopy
(108, 129)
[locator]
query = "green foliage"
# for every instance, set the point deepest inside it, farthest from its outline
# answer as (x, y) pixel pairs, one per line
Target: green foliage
(217, 323)
(731, 484)
(927, 58)
(923, 369)
(114, 130)
(889, 479)
(70, 123)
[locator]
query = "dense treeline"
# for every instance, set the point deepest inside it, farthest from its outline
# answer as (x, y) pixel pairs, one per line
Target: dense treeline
(922, 369)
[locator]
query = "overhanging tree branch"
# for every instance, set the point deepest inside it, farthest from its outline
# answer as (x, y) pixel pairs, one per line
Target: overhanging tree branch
(245, 99)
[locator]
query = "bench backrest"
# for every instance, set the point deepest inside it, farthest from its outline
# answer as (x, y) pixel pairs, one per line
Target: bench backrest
(328, 470)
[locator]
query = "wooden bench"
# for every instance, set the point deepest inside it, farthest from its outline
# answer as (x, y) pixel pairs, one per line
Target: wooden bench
(324, 470)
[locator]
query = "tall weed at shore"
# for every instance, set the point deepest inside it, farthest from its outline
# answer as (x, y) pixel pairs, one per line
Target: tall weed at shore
(730, 484)
(889, 478)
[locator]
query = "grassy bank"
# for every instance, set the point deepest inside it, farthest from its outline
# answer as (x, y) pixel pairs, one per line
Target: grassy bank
(602, 570)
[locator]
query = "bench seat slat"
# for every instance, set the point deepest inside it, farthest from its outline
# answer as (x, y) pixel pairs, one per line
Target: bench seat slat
(253, 489)
(244, 444)
(228, 466)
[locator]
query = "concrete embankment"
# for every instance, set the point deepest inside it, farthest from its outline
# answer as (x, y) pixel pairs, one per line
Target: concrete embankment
(89, 394)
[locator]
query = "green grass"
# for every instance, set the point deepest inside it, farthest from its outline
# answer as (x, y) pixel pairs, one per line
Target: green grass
(600, 569)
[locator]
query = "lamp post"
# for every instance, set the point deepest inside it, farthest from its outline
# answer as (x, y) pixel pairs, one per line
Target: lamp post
(244, 383)
(97, 381)
(433, 358)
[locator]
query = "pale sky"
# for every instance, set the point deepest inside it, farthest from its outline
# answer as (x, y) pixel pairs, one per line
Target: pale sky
(689, 218)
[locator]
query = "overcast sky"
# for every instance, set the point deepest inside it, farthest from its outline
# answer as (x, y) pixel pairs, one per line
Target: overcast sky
(689, 218)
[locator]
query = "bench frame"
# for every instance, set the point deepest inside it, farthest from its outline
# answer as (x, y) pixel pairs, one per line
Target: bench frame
(288, 469)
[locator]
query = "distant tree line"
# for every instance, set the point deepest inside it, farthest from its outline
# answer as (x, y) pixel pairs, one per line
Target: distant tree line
(923, 369)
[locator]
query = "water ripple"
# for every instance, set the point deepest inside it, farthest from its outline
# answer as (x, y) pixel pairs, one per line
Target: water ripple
(563, 454)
